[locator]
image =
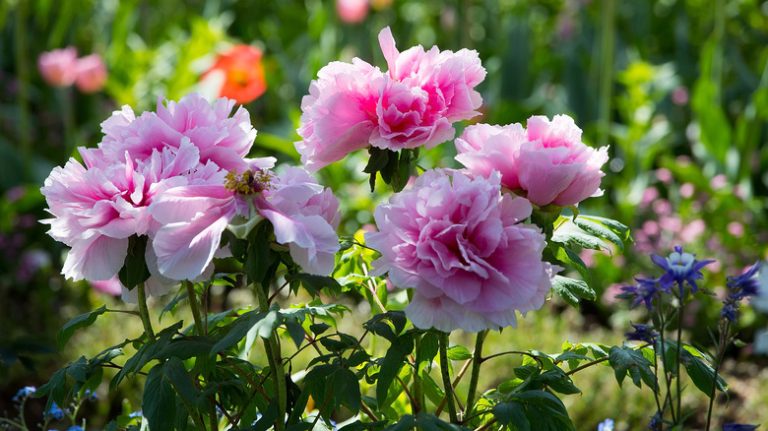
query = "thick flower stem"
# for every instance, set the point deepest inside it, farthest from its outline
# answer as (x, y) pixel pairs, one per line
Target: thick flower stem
(272, 348)
(447, 377)
(144, 312)
(477, 360)
(194, 306)
(679, 353)
(723, 342)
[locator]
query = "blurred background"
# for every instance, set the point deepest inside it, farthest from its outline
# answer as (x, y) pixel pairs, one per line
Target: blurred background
(677, 88)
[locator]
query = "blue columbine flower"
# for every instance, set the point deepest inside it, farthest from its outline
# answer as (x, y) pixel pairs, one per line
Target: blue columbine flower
(606, 425)
(23, 393)
(644, 292)
(739, 427)
(740, 287)
(90, 395)
(642, 333)
(656, 422)
(75, 428)
(680, 267)
(55, 412)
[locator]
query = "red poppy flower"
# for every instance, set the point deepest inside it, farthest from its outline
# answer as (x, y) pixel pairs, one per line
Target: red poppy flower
(242, 71)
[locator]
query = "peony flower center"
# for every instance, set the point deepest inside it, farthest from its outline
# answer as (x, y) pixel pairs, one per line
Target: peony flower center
(249, 182)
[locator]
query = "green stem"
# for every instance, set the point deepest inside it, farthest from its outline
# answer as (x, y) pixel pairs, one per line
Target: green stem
(477, 360)
(668, 383)
(194, 306)
(724, 335)
(679, 353)
(144, 312)
(22, 98)
(444, 371)
(418, 390)
(272, 348)
(607, 37)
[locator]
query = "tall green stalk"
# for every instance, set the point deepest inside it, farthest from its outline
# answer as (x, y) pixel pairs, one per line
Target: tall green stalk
(444, 371)
(194, 306)
(23, 75)
(722, 344)
(144, 312)
(272, 347)
(477, 360)
(607, 45)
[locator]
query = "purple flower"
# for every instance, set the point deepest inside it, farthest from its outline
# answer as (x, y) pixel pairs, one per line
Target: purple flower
(642, 333)
(656, 423)
(680, 268)
(24, 393)
(644, 292)
(606, 425)
(740, 287)
(739, 427)
(55, 412)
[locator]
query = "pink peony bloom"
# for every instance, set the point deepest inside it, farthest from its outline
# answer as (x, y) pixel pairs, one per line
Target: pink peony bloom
(91, 74)
(219, 137)
(96, 209)
(548, 161)
(459, 243)
(352, 106)
(352, 11)
(304, 216)
(110, 287)
(58, 67)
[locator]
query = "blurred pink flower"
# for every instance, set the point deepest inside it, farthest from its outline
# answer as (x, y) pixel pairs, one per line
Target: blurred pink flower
(219, 137)
(736, 229)
(664, 175)
(304, 216)
(680, 96)
(58, 67)
(547, 161)
(610, 294)
(352, 11)
(460, 244)
(91, 73)
(650, 228)
(687, 190)
(718, 182)
(692, 230)
(414, 104)
(650, 194)
(662, 207)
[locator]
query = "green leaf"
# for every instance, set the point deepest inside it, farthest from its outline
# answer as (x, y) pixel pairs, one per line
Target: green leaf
(392, 363)
(81, 321)
(159, 402)
(626, 360)
(377, 160)
(458, 353)
(315, 283)
(558, 381)
(511, 413)
(387, 325)
(597, 226)
(259, 258)
(181, 382)
(572, 259)
(544, 411)
(263, 323)
(572, 290)
(570, 234)
(702, 374)
(134, 270)
(332, 386)
(426, 349)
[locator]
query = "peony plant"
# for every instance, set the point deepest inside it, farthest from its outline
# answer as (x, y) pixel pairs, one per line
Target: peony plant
(170, 203)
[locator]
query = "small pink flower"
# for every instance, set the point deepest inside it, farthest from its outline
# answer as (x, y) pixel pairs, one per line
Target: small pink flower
(414, 104)
(460, 244)
(687, 190)
(352, 11)
(718, 182)
(664, 175)
(548, 161)
(680, 96)
(91, 74)
(58, 67)
(736, 229)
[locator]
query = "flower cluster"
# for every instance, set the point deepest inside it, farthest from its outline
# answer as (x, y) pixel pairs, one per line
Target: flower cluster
(547, 162)
(461, 244)
(62, 68)
(413, 104)
(163, 175)
(740, 287)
